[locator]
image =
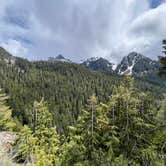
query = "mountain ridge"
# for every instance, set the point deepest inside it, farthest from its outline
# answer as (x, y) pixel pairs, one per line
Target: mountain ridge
(135, 63)
(65, 86)
(59, 58)
(98, 64)
(132, 64)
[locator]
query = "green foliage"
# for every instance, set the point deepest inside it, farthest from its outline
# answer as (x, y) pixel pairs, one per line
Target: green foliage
(162, 70)
(135, 117)
(6, 121)
(128, 130)
(91, 140)
(120, 161)
(64, 86)
(122, 132)
(25, 145)
(40, 146)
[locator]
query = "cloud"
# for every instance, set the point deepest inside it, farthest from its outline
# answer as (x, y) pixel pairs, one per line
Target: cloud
(15, 47)
(82, 29)
(148, 30)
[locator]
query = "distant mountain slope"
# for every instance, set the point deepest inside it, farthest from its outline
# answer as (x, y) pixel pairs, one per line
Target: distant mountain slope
(6, 57)
(98, 64)
(135, 64)
(59, 58)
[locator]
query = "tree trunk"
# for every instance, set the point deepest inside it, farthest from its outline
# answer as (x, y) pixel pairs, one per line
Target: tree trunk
(127, 116)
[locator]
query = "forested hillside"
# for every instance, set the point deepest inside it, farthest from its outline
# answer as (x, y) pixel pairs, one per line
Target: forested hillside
(64, 114)
(65, 86)
(126, 130)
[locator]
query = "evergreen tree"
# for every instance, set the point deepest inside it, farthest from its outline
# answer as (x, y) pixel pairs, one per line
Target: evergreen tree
(132, 113)
(164, 46)
(160, 138)
(25, 146)
(125, 131)
(6, 121)
(40, 146)
(162, 70)
(49, 139)
(93, 137)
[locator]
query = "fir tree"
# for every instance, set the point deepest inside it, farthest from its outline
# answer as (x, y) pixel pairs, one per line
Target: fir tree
(94, 136)
(162, 70)
(136, 123)
(40, 146)
(6, 121)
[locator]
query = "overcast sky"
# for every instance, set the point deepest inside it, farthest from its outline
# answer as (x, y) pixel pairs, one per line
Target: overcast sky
(79, 29)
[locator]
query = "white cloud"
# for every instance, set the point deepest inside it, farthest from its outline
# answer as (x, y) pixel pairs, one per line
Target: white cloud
(148, 30)
(15, 48)
(81, 29)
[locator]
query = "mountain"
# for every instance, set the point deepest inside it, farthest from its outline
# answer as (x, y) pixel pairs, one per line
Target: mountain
(59, 58)
(133, 64)
(6, 57)
(98, 64)
(136, 64)
(65, 86)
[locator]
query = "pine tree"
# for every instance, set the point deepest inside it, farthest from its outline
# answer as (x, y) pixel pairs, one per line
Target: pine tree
(40, 146)
(25, 146)
(164, 46)
(136, 123)
(93, 137)
(160, 138)
(162, 70)
(49, 139)
(6, 121)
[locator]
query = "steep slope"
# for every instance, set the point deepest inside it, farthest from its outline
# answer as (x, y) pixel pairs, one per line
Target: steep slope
(98, 64)
(6, 57)
(136, 64)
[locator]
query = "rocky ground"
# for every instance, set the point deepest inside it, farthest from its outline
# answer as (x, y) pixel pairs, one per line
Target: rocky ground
(6, 140)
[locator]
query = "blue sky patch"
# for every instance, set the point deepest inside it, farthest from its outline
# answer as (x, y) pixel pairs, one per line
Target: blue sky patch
(155, 3)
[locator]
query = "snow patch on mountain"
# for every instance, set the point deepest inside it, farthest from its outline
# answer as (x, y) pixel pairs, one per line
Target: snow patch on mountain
(129, 70)
(89, 60)
(114, 66)
(98, 64)
(136, 63)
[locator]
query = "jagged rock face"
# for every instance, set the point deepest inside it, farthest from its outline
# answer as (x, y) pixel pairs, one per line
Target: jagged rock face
(135, 63)
(98, 64)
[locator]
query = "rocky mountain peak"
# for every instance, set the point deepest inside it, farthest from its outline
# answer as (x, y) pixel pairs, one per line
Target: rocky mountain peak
(98, 64)
(136, 63)
(59, 58)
